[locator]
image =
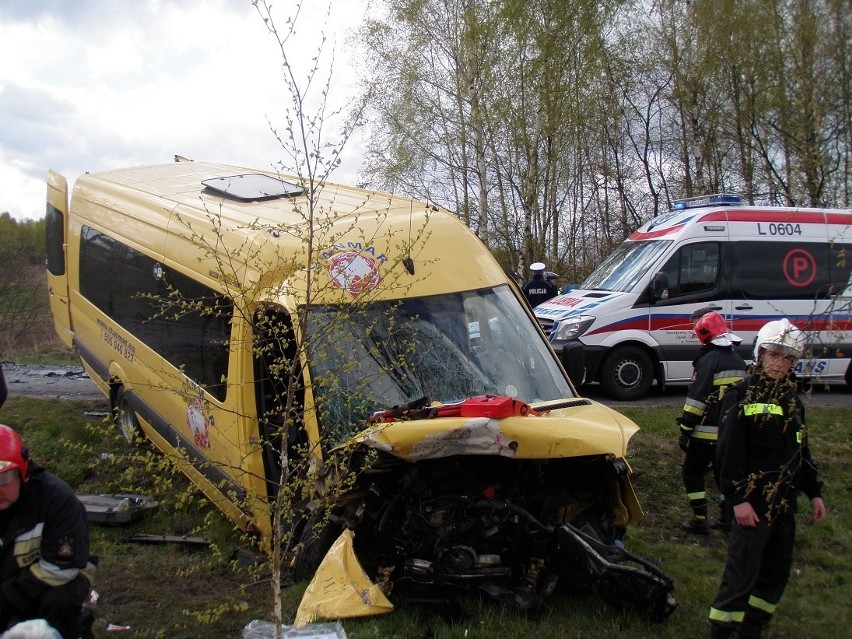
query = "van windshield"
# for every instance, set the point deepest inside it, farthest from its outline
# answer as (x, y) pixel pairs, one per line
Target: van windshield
(445, 348)
(623, 269)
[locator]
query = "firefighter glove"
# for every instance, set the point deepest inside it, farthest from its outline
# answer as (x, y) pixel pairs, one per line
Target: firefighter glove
(683, 441)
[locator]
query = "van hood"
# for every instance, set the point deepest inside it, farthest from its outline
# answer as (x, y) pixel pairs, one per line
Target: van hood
(575, 428)
(577, 302)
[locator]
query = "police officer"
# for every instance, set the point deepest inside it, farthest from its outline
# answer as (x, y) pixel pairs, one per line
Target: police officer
(552, 277)
(45, 571)
(764, 460)
(538, 289)
(714, 370)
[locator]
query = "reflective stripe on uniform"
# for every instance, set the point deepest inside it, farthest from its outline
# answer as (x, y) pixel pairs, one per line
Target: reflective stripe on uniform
(726, 378)
(27, 549)
(762, 409)
(52, 574)
(694, 407)
(694, 496)
(710, 433)
(729, 617)
(761, 604)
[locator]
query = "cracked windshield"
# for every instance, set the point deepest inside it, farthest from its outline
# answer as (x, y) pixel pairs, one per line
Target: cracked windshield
(445, 348)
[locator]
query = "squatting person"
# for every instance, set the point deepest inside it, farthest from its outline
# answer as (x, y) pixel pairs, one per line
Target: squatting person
(45, 572)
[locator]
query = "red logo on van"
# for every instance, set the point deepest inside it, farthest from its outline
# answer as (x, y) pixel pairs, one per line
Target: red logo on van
(799, 267)
(199, 424)
(354, 272)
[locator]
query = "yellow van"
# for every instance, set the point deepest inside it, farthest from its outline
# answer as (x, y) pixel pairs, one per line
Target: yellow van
(184, 286)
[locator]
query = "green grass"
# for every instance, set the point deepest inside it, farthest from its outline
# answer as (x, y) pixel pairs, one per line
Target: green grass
(174, 591)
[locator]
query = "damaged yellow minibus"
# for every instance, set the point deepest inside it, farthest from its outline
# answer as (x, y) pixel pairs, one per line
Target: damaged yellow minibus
(487, 468)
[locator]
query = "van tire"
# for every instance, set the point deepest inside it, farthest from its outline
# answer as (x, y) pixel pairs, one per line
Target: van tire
(627, 373)
(124, 418)
(314, 542)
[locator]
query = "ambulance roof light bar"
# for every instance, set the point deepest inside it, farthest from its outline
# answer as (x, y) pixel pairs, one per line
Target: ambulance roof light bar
(718, 199)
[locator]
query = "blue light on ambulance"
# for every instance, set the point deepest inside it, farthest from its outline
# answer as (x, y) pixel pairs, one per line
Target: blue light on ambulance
(719, 199)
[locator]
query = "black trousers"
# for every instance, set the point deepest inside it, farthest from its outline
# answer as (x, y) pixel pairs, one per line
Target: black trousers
(699, 456)
(61, 607)
(756, 572)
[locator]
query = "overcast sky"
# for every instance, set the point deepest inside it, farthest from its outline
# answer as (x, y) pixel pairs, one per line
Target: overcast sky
(88, 85)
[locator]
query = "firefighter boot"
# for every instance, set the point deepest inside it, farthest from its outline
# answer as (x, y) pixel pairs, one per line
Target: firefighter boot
(718, 631)
(751, 630)
(723, 523)
(696, 526)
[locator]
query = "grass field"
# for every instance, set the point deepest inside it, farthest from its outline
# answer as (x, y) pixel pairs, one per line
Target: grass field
(177, 591)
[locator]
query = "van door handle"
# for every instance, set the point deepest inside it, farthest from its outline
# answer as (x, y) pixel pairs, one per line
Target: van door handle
(744, 307)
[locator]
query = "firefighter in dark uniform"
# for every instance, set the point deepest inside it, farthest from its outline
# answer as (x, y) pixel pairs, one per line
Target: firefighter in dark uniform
(764, 460)
(538, 290)
(715, 369)
(45, 571)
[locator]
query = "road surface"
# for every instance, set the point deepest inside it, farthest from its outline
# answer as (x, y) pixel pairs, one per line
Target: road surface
(69, 382)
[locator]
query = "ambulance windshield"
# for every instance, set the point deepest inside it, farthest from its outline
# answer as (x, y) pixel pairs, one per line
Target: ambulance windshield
(445, 348)
(623, 269)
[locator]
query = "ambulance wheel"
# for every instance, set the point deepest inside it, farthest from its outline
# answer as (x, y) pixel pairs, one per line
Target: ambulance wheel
(627, 373)
(124, 417)
(316, 539)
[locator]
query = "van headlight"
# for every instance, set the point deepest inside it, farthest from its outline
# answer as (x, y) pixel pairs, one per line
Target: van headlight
(572, 328)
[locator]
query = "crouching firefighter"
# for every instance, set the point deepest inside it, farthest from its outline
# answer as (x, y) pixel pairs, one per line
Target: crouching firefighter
(45, 569)
(715, 369)
(764, 460)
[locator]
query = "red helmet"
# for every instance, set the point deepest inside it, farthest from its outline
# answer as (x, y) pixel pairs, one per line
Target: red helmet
(709, 327)
(12, 453)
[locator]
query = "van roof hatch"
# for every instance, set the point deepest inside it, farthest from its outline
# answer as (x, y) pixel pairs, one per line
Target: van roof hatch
(252, 187)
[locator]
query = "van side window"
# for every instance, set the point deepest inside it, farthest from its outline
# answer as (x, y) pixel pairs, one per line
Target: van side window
(134, 290)
(693, 269)
(784, 270)
(840, 266)
(55, 238)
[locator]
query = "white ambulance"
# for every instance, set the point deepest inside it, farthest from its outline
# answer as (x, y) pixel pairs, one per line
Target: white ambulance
(629, 323)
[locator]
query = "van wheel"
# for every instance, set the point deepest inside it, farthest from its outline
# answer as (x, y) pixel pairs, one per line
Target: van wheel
(627, 373)
(124, 418)
(315, 541)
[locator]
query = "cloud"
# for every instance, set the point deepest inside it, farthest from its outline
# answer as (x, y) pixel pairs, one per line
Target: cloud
(99, 84)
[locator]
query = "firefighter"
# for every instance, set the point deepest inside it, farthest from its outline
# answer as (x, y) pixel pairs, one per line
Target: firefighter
(538, 289)
(715, 369)
(764, 460)
(45, 571)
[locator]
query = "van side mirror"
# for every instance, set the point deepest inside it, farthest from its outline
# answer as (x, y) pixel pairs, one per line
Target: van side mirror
(659, 287)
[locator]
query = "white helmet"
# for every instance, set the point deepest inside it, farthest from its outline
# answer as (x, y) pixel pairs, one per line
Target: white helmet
(780, 335)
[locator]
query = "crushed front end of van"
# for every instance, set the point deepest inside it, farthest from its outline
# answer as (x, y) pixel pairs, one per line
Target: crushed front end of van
(468, 485)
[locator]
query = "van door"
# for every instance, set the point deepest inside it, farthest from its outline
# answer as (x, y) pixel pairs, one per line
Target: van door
(695, 276)
(56, 232)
